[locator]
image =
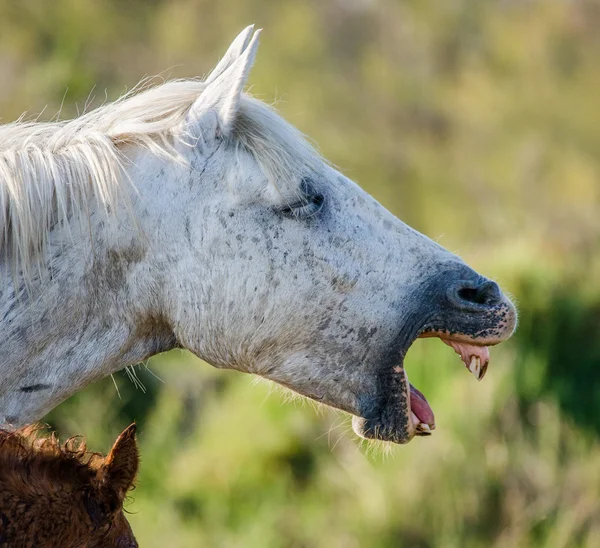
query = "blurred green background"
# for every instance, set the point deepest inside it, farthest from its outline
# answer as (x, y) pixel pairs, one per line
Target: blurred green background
(475, 121)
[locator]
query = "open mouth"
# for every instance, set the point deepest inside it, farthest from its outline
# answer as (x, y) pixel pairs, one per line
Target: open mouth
(471, 316)
(402, 411)
(476, 358)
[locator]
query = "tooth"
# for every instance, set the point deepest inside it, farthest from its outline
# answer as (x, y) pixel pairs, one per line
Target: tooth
(423, 429)
(483, 371)
(475, 366)
(415, 419)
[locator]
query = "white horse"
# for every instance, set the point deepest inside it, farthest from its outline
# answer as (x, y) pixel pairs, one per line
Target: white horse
(191, 215)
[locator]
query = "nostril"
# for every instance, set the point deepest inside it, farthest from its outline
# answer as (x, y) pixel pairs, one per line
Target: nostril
(467, 294)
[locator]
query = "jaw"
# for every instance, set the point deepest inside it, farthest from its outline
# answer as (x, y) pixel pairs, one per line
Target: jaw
(390, 418)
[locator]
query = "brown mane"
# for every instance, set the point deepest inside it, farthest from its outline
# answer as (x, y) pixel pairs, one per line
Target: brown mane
(25, 452)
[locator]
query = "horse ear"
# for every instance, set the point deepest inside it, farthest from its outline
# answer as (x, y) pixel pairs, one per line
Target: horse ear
(236, 48)
(216, 108)
(121, 465)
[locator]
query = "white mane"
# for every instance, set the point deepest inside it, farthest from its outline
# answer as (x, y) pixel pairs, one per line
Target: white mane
(51, 171)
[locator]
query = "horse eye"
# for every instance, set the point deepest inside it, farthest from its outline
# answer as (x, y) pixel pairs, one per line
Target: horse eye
(310, 202)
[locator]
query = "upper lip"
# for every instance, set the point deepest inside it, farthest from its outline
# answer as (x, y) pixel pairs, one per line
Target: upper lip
(473, 352)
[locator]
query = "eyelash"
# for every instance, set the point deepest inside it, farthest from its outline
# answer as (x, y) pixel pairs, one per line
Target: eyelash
(311, 203)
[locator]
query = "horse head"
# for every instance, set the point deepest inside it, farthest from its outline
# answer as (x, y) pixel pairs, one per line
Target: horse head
(284, 268)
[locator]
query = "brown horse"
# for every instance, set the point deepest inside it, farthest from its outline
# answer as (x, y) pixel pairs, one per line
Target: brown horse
(54, 494)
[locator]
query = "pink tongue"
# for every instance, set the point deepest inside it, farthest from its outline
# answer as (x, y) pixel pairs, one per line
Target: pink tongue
(420, 407)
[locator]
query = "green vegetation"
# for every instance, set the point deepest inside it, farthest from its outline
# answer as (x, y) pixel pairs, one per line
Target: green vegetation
(477, 120)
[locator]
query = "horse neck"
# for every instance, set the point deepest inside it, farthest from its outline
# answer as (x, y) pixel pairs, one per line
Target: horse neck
(90, 317)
